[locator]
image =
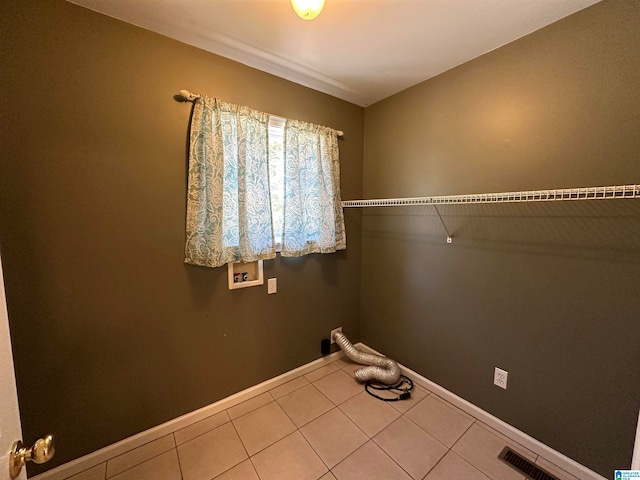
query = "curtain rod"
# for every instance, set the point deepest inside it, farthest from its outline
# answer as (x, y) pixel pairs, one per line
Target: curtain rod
(581, 193)
(191, 97)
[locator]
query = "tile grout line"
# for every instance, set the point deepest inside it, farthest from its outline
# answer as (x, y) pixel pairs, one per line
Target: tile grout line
(294, 390)
(465, 431)
(133, 449)
(314, 451)
(247, 413)
(370, 438)
(276, 441)
(241, 442)
(392, 459)
(323, 376)
(473, 466)
(475, 420)
(509, 442)
(137, 464)
(254, 468)
(422, 429)
(132, 467)
(203, 433)
(425, 431)
(178, 455)
(279, 440)
(450, 450)
(87, 469)
(307, 423)
(335, 406)
(238, 433)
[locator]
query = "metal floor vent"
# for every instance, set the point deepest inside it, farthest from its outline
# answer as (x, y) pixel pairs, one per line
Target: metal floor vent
(523, 465)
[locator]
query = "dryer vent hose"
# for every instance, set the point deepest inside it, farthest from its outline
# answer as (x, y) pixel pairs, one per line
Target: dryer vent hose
(381, 369)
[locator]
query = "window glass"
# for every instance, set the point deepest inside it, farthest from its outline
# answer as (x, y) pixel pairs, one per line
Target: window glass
(276, 176)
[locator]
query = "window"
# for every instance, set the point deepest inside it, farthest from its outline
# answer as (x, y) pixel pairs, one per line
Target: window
(247, 196)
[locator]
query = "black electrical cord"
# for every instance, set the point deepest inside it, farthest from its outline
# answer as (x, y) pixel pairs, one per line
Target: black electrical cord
(402, 389)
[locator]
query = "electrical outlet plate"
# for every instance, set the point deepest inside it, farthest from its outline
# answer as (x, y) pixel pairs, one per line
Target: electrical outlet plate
(500, 377)
(339, 329)
(272, 286)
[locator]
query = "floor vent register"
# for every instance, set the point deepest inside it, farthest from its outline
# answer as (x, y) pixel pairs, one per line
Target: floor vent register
(524, 466)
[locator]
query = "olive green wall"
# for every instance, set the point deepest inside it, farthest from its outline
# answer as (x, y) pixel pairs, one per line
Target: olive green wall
(112, 332)
(548, 292)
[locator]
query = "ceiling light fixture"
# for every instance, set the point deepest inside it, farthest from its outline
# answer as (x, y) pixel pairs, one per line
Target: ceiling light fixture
(307, 9)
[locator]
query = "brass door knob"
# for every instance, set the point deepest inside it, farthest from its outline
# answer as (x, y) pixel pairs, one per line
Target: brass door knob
(41, 452)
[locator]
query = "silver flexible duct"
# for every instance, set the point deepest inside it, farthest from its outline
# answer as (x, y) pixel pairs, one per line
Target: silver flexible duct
(380, 369)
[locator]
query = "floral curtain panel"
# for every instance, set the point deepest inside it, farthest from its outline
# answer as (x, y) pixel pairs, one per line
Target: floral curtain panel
(313, 218)
(229, 216)
(228, 203)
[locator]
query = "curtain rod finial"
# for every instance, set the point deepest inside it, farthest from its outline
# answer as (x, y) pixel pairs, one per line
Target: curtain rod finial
(187, 95)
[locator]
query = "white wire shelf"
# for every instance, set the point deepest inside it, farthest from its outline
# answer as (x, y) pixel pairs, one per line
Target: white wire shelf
(582, 193)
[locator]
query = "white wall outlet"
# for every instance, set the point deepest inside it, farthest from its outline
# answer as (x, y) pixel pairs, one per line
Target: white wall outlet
(500, 378)
(339, 329)
(272, 286)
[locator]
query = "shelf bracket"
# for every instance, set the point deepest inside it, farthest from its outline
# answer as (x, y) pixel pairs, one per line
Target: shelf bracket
(449, 237)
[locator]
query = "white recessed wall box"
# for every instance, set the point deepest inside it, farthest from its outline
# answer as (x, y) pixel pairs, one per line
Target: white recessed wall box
(243, 275)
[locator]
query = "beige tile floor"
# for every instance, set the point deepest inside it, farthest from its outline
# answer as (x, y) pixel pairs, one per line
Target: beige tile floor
(323, 426)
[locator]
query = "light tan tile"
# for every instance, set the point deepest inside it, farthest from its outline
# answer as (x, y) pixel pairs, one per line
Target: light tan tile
(338, 387)
(304, 405)
(211, 454)
(96, 473)
(243, 471)
(289, 387)
(481, 448)
(369, 462)
(250, 405)
(321, 372)
(343, 362)
(411, 447)
(162, 467)
(453, 467)
(446, 424)
(453, 407)
(138, 455)
(525, 452)
(328, 476)
(51, 475)
(351, 368)
(289, 459)
(203, 426)
(553, 469)
(417, 394)
(263, 427)
(333, 436)
(368, 413)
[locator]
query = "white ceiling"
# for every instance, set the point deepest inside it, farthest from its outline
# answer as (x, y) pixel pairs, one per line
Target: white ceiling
(359, 50)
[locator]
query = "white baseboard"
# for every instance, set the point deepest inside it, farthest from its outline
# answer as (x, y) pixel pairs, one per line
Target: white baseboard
(518, 436)
(81, 464)
(88, 461)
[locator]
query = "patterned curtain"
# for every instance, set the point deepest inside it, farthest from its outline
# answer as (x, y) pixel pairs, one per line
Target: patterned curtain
(228, 205)
(313, 218)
